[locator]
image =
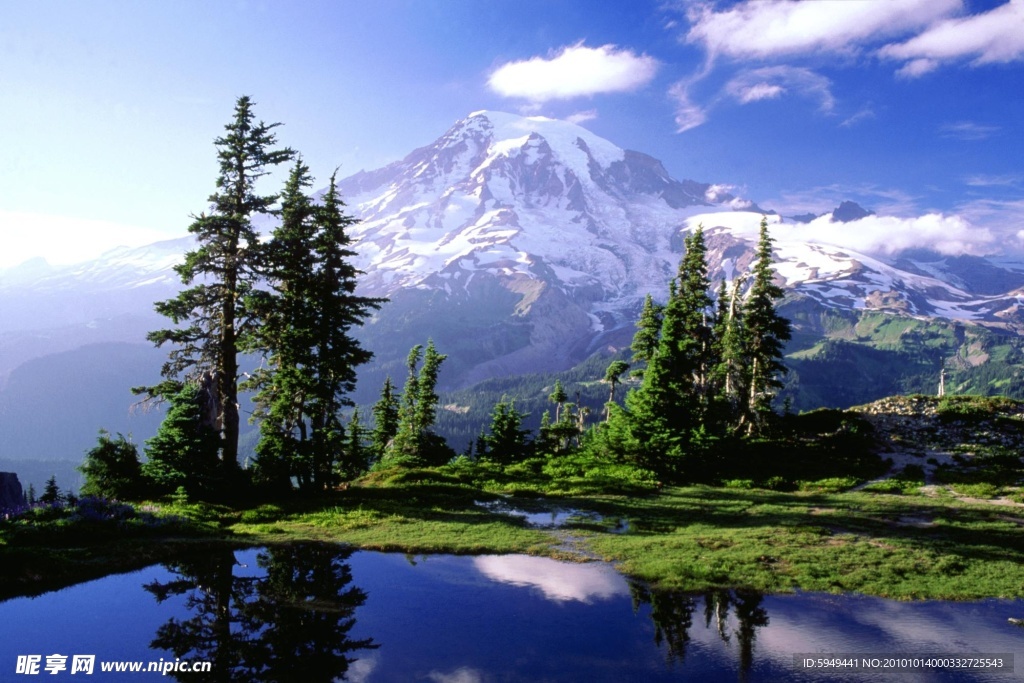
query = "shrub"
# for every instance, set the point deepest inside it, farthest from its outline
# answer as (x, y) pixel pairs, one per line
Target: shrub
(112, 469)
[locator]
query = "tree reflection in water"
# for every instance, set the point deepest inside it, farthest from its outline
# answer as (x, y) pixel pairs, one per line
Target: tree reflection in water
(672, 614)
(291, 624)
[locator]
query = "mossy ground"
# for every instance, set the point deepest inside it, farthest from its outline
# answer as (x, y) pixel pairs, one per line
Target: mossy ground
(691, 538)
(771, 533)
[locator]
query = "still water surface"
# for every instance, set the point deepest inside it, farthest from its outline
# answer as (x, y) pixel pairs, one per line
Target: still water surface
(315, 612)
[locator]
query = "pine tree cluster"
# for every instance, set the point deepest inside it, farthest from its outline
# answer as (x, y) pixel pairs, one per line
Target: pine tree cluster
(710, 368)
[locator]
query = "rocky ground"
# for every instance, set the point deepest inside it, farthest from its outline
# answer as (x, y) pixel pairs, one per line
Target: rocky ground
(956, 444)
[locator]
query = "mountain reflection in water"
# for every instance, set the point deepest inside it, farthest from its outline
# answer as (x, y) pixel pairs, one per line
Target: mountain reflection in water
(319, 612)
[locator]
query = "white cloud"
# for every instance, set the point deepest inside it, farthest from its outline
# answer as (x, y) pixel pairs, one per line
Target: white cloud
(582, 116)
(63, 239)
(761, 28)
(872, 235)
(574, 72)
(773, 81)
(917, 67)
(461, 675)
(715, 191)
(888, 234)
(359, 671)
(559, 581)
(995, 36)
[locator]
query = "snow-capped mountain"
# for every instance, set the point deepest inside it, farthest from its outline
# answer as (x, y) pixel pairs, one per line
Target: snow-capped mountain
(524, 244)
(559, 230)
(531, 240)
(523, 196)
(549, 209)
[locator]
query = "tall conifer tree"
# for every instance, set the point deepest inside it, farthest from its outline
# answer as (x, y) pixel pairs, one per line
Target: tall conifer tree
(648, 331)
(385, 419)
(695, 304)
(669, 404)
(308, 318)
(414, 440)
(765, 333)
(212, 316)
(729, 372)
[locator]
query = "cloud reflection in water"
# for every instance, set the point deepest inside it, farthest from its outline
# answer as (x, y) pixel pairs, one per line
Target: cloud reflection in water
(558, 581)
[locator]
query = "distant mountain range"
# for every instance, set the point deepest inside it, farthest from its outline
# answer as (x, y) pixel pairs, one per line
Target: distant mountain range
(526, 244)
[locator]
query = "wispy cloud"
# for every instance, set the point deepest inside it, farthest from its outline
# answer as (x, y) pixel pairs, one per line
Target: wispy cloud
(967, 130)
(997, 215)
(983, 180)
(885, 201)
(995, 36)
(774, 81)
(865, 114)
(688, 113)
(574, 72)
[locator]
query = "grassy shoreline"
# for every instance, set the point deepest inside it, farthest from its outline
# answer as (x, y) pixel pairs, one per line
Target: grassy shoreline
(690, 538)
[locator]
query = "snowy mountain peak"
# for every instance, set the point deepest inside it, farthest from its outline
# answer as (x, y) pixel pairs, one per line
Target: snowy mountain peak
(523, 197)
(572, 143)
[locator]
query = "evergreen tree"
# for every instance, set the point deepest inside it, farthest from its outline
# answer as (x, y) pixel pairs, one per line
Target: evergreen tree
(669, 404)
(184, 450)
(558, 397)
(355, 457)
(729, 375)
(507, 440)
(30, 495)
(663, 421)
(545, 442)
(112, 469)
(613, 375)
(765, 333)
(220, 273)
(51, 492)
(648, 332)
(385, 420)
(415, 442)
(286, 339)
(309, 314)
(694, 303)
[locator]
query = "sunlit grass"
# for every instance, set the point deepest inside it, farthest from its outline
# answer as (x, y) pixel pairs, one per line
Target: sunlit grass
(893, 546)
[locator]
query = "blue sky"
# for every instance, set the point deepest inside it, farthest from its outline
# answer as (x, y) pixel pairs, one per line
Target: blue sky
(108, 109)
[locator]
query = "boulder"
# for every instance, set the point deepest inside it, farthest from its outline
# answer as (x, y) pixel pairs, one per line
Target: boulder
(11, 494)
